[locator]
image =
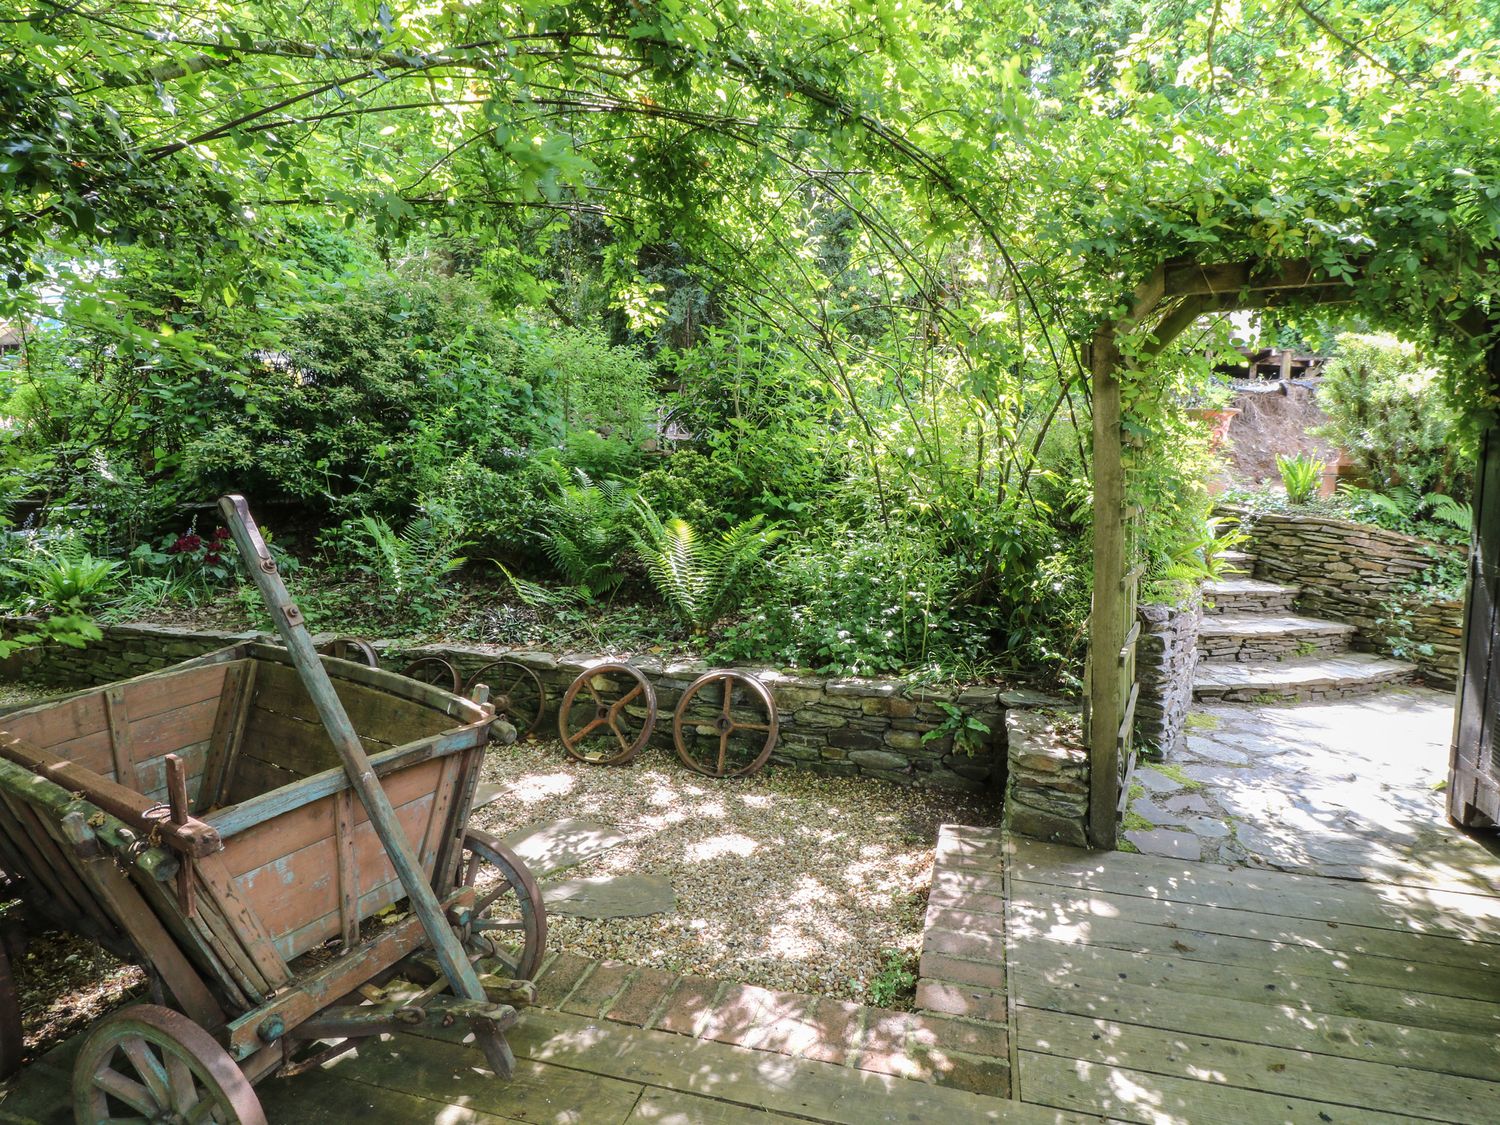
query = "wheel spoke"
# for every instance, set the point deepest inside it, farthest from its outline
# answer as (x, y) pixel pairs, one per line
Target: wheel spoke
(624, 740)
(619, 704)
(127, 1090)
(149, 1067)
(206, 1110)
(728, 698)
(763, 727)
(588, 730)
(183, 1086)
(487, 924)
(723, 751)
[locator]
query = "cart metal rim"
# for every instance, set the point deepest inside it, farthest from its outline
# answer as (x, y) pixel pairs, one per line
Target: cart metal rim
(607, 716)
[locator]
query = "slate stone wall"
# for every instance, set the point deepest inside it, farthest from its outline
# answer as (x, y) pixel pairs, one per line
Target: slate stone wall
(850, 727)
(1047, 777)
(1352, 572)
(1166, 656)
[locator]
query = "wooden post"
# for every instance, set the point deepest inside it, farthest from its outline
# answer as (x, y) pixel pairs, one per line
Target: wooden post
(1107, 621)
(424, 901)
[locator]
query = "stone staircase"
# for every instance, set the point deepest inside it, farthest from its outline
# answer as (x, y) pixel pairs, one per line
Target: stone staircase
(1253, 647)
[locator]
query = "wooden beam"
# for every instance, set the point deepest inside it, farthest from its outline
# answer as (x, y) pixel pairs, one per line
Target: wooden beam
(1186, 279)
(1107, 621)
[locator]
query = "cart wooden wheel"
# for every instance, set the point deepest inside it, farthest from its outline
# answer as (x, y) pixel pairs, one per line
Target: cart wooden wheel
(436, 671)
(515, 690)
(147, 1063)
(603, 736)
(352, 648)
(508, 920)
(11, 1042)
(730, 714)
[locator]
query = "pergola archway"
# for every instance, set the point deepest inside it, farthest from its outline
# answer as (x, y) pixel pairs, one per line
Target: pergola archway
(1172, 298)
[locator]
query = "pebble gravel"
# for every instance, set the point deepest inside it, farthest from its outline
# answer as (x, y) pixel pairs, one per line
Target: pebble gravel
(787, 879)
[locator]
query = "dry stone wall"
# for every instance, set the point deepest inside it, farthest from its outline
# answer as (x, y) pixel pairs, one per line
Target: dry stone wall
(851, 727)
(1047, 780)
(1351, 572)
(1166, 656)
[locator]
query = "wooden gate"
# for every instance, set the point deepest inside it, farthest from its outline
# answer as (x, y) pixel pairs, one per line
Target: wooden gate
(1474, 773)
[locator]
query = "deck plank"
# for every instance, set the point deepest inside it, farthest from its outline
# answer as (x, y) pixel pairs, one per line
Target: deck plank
(1158, 1099)
(1367, 1086)
(1475, 1054)
(1466, 914)
(1062, 964)
(1331, 934)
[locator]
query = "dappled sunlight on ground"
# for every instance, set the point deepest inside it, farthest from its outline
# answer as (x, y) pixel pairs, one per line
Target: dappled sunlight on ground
(786, 879)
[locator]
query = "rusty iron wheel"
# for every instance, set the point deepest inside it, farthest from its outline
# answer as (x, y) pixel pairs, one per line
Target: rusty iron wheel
(150, 1063)
(11, 1040)
(744, 760)
(352, 649)
(509, 922)
(516, 691)
(436, 671)
(604, 737)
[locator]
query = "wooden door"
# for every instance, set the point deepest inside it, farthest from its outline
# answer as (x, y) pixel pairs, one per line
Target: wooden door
(1474, 774)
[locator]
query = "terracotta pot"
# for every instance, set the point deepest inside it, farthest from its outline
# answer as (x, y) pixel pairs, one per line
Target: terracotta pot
(1218, 421)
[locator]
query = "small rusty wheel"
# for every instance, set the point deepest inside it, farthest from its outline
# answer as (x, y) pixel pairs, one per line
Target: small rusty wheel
(147, 1063)
(508, 921)
(11, 1041)
(607, 725)
(351, 648)
(436, 671)
(727, 714)
(515, 690)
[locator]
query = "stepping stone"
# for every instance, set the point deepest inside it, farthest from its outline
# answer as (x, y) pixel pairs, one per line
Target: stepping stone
(486, 794)
(550, 846)
(1163, 842)
(1236, 594)
(1156, 814)
(1211, 751)
(1187, 803)
(623, 896)
(1208, 826)
(1154, 782)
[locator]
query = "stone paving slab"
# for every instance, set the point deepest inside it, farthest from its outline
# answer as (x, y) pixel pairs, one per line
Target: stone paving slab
(1346, 789)
(610, 896)
(550, 846)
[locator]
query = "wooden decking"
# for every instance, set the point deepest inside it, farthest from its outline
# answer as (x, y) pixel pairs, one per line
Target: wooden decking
(1152, 990)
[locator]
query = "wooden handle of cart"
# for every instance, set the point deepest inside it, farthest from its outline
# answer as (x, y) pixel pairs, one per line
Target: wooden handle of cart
(424, 901)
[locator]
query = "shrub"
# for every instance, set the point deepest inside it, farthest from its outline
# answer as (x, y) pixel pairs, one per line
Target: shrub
(700, 578)
(1386, 407)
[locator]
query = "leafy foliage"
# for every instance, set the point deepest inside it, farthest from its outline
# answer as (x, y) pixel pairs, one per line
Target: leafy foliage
(700, 578)
(587, 528)
(1301, 474)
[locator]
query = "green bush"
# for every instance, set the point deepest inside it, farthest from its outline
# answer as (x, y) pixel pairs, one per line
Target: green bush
(1387, 408)
(1301, 474)
(700, 577)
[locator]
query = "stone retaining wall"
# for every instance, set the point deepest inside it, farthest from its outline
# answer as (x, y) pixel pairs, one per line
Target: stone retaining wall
(1166, 656)
(871, 728)
(1047, 777)
(1352, 572)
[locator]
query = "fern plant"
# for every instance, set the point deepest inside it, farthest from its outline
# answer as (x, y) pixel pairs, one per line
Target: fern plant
(65, 576)
(410, 565)
(587, 530)
(1300, 474)
(699, 578)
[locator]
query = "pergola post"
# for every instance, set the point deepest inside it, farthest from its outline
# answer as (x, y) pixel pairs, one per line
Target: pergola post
(1107, 623)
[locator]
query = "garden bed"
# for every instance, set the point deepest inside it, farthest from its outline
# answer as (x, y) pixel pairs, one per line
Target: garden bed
(786, 880)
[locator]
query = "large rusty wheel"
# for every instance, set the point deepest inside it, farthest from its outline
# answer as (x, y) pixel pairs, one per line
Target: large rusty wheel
(11, 1041)
(732, 730)
(508, 922)
(515, 690)
(436, 671)
(351, 648)
(604, 735)
(147, 1063)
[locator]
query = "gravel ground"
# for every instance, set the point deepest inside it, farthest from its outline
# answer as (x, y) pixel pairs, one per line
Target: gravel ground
(787, 879)
(13, 692)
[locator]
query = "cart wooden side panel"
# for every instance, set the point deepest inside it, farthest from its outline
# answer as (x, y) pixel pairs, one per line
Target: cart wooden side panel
(124, 732)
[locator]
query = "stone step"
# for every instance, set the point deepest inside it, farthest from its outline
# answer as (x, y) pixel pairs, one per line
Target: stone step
(1236, 562)
(1232, 595)
(1269, 636)
(1301, 678)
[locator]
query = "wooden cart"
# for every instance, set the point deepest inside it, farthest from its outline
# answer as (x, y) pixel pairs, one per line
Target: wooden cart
(206, 821)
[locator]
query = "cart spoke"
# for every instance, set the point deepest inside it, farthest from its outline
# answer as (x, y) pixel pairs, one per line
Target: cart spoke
(183, 1087)
(619, 704)
(149, 1067)
(624, 739)
(490, 924)
(588, 730)
(127, 1090)
(764, 728)
(206, 1110)
(723, 751)
(124, 1121)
